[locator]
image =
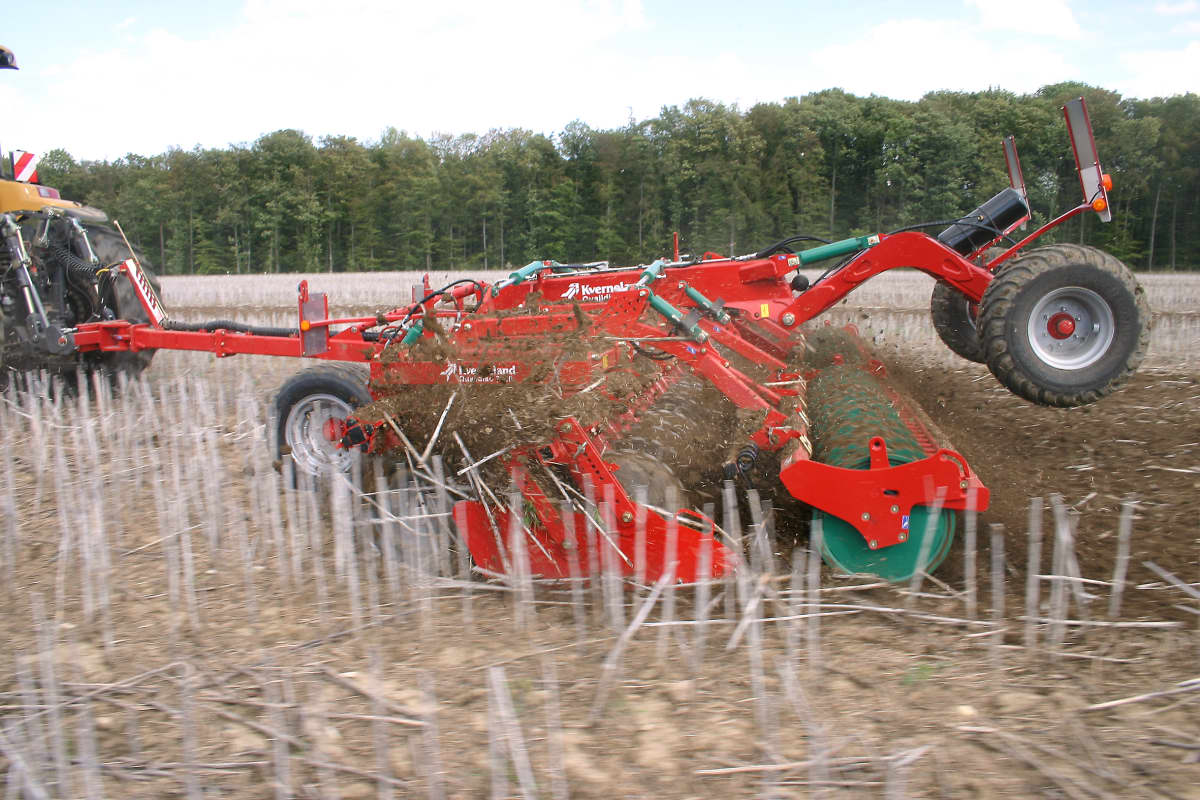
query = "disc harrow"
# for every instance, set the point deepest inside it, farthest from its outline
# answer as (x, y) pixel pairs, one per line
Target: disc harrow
(574, 384)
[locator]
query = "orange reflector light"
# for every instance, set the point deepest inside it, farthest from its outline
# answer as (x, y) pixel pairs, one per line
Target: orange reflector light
(1106, 182)
(1099, 204)
(305, 325)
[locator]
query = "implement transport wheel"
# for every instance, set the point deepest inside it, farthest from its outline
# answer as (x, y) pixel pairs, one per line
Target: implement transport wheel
(955, 317)
(954, 320)
(310, 411)
(1064, 325)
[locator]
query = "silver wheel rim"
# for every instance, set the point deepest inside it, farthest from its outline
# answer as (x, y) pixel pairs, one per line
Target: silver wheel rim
(304, 433)
(1094, 328)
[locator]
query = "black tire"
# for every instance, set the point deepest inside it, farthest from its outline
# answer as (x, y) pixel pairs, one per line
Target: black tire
(1098, 341)
(303, 404)
(955, 317)
(118, 295)
(954, 320)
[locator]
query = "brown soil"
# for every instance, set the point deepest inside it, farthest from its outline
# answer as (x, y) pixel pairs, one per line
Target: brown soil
(1142, 443)
(280, 687)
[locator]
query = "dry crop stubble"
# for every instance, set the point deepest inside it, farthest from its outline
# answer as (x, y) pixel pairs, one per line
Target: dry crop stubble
(202, 630)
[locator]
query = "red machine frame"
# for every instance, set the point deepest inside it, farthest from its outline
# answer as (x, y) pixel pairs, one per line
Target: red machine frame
(754, 317)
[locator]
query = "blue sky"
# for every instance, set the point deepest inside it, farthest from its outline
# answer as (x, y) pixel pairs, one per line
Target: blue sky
(104, 79)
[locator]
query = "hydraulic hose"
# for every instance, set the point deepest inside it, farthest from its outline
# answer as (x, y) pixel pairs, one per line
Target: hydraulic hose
(229, 325)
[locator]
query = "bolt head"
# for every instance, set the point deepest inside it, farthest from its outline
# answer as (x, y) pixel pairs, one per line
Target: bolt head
(902, 537)
(788, 318)
(627, 517)
(866, 517)
(962, 485)
(873, 544)
(895, 509)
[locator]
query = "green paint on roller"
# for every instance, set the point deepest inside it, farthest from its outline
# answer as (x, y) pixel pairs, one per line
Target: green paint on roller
(847, 407)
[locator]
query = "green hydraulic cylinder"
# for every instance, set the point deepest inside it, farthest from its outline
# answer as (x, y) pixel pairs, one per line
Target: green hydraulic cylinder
(523, 274)
(706, 305)
(652, 273)
(835, 249)
(676, 317)
(413, 334)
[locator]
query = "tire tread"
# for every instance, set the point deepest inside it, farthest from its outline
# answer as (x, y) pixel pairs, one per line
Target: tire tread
(998, 302)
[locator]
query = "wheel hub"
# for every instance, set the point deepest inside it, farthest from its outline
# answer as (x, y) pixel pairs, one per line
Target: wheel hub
(334, 429)
(314, 429)
(1062, 325)
(1071, 328)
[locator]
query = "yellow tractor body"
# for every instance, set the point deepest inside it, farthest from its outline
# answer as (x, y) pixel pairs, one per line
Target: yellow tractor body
(17, 196)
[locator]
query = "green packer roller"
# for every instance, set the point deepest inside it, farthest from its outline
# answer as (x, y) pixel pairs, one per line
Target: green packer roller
(847, 407)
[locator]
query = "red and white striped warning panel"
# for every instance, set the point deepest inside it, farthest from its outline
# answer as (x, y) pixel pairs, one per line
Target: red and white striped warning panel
(25, 166)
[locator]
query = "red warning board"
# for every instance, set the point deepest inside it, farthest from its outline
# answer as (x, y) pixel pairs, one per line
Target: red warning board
(25, 166)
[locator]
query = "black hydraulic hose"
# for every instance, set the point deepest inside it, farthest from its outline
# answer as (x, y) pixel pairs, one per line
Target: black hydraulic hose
(70, 261)
(229, 325)
(962, 221)
(775, 248)
(652, 353)
(438, 293)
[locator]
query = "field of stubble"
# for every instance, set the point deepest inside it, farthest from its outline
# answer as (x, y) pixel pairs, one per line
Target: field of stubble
(180, 625)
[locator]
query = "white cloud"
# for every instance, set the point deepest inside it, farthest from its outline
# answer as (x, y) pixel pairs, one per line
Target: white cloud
(1176, 9)
(1160, 73)
(362, 65)
(908, 58)
(1049, 18)
(125, 23)
(367, 65)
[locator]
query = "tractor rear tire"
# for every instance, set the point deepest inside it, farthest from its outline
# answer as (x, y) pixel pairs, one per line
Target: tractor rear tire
(110, 249)
(955, 318)
(1064, 325)
(305, 403)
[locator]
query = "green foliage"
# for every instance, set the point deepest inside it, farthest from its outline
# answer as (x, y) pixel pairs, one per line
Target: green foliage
(829, 164)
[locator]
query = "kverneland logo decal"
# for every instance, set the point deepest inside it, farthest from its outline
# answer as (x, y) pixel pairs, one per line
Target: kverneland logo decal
(488, 374)
(585, 291)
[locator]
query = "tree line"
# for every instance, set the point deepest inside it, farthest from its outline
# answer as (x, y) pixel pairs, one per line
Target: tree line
(827, 164)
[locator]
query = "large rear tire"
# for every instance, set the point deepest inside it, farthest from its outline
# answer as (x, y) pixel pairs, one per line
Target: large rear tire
(304, 407)
(118, 295)
(1064, 325)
